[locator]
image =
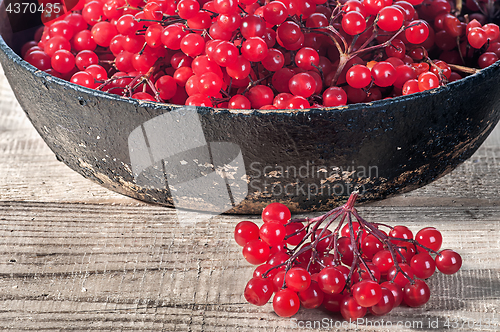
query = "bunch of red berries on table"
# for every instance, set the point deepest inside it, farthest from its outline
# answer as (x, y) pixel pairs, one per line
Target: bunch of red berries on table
(249, 54)
(339, 261)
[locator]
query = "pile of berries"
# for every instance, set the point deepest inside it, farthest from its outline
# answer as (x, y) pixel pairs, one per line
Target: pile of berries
(355, 268)
(249, 54)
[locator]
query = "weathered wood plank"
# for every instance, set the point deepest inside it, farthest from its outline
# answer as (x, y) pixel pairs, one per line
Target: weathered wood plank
(76, 266)
(29, 169)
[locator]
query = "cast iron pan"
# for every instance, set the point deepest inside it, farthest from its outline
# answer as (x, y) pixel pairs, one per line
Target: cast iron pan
(222, 160)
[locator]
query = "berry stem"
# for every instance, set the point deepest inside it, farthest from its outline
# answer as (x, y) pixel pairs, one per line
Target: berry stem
(344, 213)
(463, 69)
(379, 46)
(386, 240)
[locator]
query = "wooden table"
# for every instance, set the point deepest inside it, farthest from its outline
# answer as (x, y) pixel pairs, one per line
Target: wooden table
(75, 256)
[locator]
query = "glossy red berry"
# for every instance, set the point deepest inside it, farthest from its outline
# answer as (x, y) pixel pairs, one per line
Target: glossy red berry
(172, 35)
(253, 26)
(298, 279)
(56, 43)
(396, 290)
(411, 86)
(143, 96)
(384, 73)
(428, 81)
(276, 212)
(259, 96)
(286, 303)
(350, 309)
(302, 85)
(188, 8)
(367, 293)
(295, 232)
(103, 33)
(405, 251)
(487, 59)
(332, 302)
(262, 269)
(225, 53)
(274, 60)
(127, 25)
(353, 23)
(383, 260)
(401, 232)
(239, 102)
(256, 252)
(390, 18)
(84, 79)
(477, 37)
(345, 248)
(416, 294)
(423, 265)
(429, 237)
(289, 32)
(39, 59)
(239, 69)
(225, 6)
(275, 12)
(63, 61)
(386, 303)
(331, 280)
(307, 58)
(245, 232)
(358, 76)
(166, 86)
(98, 72)
(400, 278)
(192, 44)
(272, 233)
(367, 274)
(448, 261)
(210, 84)
(312, 297)
(258, 291)
(371, 245)
(278, 280)
(325, 239)
(334, 96)
(254, 49)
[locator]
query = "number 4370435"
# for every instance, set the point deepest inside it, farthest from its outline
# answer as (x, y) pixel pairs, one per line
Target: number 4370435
(468, 323)
(33, 8)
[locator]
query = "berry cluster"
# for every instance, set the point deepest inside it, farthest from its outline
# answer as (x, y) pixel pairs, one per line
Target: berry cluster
(354, 268)
(248, 54)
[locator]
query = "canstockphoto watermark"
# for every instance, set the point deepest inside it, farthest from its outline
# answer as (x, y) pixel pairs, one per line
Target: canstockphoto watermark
(170, 152)
(430, 323)
(333, 324)
(310, 179)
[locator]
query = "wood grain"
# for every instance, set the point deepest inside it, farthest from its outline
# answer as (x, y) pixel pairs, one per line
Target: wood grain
(77, 257)
(75, 266)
